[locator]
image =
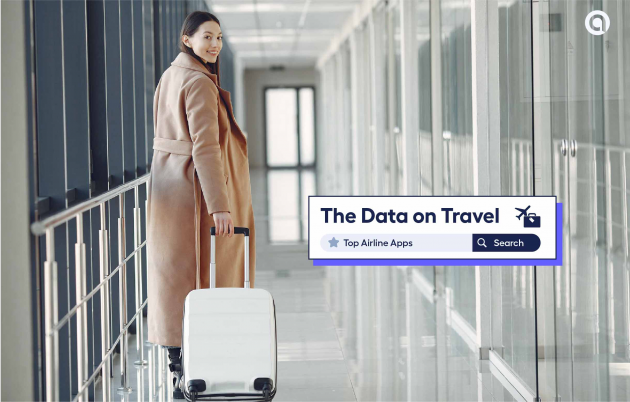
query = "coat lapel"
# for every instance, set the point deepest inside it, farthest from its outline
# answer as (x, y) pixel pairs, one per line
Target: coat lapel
(185, 60)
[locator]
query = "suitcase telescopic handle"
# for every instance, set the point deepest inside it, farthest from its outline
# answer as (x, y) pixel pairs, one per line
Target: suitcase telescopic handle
(213, 264)
(237, 230)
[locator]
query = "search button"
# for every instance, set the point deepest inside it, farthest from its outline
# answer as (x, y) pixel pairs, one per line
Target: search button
(505, 242)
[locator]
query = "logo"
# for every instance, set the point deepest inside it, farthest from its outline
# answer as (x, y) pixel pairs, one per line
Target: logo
(530, 220)
(594, 23)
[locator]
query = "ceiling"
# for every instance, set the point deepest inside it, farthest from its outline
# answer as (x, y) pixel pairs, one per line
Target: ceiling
(292, 33)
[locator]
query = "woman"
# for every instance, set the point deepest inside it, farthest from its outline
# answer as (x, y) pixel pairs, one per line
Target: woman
(199, 179)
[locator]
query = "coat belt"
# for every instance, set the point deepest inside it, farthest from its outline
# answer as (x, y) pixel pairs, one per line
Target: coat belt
(173, 146)
(185, 148)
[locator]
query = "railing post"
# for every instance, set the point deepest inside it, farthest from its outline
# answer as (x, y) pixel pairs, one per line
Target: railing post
(138, 275)
(51, 312)
(104, 269)
(246, 245)
(81, 291)
(626, 246)
(151, 375)
(161, 369)
(624, 204)
(122, 283)
(140, 379)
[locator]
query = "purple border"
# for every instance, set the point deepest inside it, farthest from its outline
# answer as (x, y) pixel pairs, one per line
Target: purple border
(556, 262)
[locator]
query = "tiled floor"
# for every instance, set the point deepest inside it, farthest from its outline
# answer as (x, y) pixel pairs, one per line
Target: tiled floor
(326, 352)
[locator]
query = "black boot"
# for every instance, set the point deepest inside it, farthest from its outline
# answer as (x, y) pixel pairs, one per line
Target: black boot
(175, 366)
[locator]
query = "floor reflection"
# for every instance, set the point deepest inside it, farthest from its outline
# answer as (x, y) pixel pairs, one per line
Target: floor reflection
(287, 204)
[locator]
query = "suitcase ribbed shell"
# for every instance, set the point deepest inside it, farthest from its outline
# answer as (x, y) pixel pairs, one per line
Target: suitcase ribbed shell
(229, 338)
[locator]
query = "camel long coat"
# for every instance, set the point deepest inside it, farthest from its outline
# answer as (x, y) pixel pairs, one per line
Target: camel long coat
(199, 167)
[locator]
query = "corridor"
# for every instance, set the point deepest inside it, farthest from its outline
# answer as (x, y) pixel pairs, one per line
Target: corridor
(345, 334)
(336, 98)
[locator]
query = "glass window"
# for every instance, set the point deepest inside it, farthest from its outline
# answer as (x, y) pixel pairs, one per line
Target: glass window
(307, 126)
(290, 124)
(281, 130)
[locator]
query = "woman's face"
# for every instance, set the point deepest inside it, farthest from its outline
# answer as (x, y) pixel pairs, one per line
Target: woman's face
(206, 42)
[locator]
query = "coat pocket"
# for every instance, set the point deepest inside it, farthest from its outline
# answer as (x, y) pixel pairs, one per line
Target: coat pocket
(226, 178)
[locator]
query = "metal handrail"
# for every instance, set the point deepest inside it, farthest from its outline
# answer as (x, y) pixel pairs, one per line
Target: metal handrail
(590, 156)
(111, 350)
(53, 324)
(601, 147)
(70, 313)
(39, 228)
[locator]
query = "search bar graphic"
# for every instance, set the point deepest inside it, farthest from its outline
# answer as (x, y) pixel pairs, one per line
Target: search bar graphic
(430, 243)
(524, 242)
(434, 229)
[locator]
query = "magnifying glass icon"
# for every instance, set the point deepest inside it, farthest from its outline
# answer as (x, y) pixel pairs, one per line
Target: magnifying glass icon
(481, 242)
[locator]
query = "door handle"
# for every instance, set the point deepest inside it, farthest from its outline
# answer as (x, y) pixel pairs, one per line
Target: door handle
(573, 148)
(563, 147)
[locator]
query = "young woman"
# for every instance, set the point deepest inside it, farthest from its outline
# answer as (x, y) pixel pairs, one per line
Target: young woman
(199, 179)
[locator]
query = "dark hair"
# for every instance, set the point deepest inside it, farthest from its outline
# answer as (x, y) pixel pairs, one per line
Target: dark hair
(190, 26)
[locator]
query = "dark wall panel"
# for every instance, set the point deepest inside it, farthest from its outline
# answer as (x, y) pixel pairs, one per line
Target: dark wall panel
(112, 219)
(51, 152)
(158, 24)
(151, 58)
(76, 100)
(143, 237)
(170, 18)
(130, 266)
(164, 32)
(226, 64)
(50, 138)
(138, 87)
(113, 93)
(97, 99)
(128, 104)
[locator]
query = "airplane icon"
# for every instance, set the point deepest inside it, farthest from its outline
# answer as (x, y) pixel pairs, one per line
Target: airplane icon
(522, 211)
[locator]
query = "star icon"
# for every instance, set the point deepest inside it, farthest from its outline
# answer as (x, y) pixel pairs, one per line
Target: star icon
(333, 242)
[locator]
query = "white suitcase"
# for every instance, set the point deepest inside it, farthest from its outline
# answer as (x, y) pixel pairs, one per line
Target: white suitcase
(229, 343)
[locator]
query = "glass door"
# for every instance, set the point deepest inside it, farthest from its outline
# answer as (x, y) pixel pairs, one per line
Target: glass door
(589, 58)
(394, 110)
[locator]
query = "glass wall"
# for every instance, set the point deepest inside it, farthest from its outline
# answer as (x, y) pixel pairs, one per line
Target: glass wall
(560, 112)
(513, 331)
(457, 134)
(394, 140)
(589, 116)
(339, 117)
(423, 35)
(368, 137)
(379, 134)
(456, 97)
(324, 172)
(346, 116)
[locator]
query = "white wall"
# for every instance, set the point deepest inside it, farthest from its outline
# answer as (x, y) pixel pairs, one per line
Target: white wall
(17, 348)
(255, 82)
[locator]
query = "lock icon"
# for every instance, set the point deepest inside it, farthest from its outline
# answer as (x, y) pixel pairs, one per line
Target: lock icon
(531, 221)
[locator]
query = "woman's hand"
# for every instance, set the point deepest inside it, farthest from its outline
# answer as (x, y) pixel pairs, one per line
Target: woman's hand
(224, 224)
